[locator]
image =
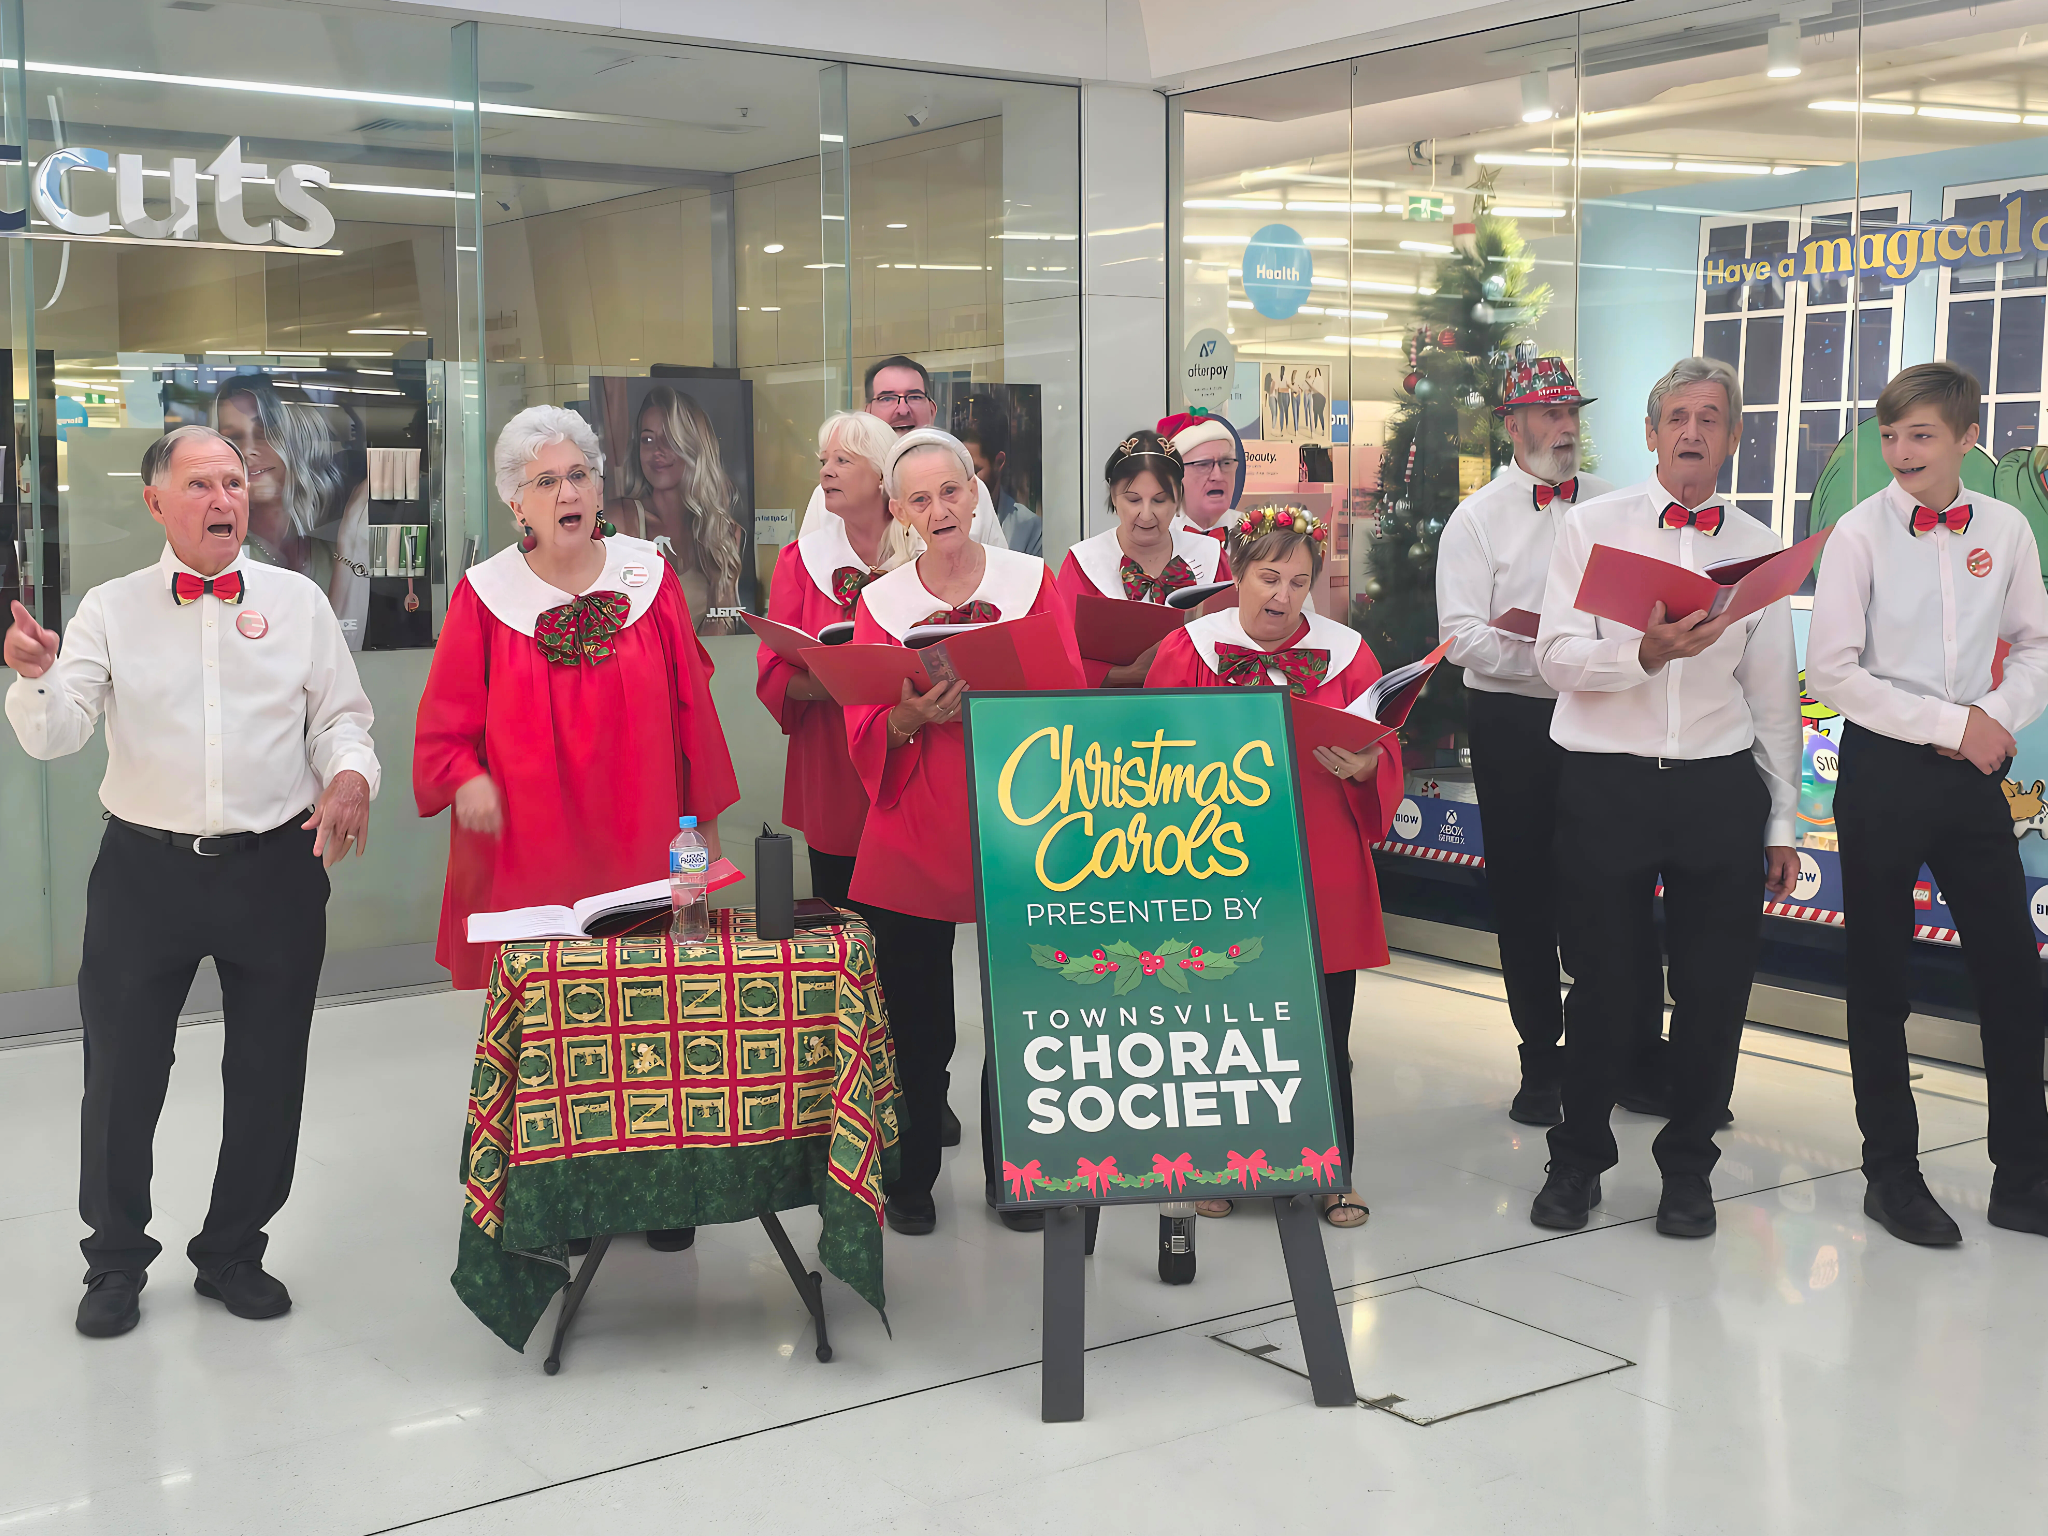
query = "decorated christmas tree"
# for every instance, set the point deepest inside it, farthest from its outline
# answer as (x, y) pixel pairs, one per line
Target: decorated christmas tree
(1443, 442)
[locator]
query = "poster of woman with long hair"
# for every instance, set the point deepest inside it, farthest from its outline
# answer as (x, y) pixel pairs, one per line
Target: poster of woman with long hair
(677, 480)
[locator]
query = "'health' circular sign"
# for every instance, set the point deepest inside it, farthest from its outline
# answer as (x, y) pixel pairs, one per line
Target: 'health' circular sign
(1277, 267)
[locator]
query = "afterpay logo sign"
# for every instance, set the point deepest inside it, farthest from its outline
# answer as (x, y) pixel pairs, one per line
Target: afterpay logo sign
(53, 192)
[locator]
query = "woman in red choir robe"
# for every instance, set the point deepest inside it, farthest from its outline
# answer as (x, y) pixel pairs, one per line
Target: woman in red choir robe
(913, 876)
(567, 717)
(1145, 558)
(1348, 798)
(851, 542)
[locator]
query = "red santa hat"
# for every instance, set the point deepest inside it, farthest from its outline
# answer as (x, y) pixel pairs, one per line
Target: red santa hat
(1185, 431)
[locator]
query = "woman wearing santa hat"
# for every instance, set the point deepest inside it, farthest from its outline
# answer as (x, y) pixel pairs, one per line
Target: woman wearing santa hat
(1212, 465)
(1145, 558)
(912, 876)
(1348, 798)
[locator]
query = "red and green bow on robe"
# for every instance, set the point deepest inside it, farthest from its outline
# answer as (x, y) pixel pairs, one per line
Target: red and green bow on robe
(1138, 586)
(582, 631)
(1244, 667)
(847, 582)
(980, 611)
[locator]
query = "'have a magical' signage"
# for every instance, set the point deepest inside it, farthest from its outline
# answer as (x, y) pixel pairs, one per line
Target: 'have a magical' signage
(2017, 231)
(1152, 989)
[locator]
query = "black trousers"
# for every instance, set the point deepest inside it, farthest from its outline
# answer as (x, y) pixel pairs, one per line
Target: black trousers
(914, 961)
(152, 913)
(1340, 992)
(831, 876)
(1898, 806)
(1515, 769)
(1622, 822)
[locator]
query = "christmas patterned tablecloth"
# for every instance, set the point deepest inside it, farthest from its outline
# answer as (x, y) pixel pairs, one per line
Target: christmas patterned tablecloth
(633, 1084)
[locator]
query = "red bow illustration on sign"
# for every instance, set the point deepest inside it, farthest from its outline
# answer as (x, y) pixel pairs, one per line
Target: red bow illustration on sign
(1175, 1174)
(1020, 1180)
(1098, 1175)
(1248, 1169)
(1323, 1165)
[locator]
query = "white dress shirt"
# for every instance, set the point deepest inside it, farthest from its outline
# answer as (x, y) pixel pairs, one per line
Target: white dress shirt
(1905, 625)
(1495, 555)
(209, 729)
(1740, 692)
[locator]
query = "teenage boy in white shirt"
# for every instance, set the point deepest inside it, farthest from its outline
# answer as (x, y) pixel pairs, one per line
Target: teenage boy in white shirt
(1919, 584)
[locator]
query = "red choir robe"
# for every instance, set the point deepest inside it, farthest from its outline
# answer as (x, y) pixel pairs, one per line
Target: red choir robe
(1343, 818)
(822, 795)
(914, 857)
(1096, 565)
(593, 761)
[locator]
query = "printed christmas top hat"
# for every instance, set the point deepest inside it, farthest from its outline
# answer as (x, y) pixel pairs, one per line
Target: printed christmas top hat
(1538, 381)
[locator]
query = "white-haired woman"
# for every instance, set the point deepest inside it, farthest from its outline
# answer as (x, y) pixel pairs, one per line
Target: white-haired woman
(912, 875)
(817, 581)
(677, 493)
(568, 715)
(304, 513)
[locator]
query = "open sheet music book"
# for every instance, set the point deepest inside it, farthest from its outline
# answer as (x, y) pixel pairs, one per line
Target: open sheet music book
(576, 922)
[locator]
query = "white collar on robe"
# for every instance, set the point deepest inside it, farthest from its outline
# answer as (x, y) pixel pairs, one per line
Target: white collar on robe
(1101, 557)
(825, 549)
(517, 598)
(899, 602)
(1340, 640)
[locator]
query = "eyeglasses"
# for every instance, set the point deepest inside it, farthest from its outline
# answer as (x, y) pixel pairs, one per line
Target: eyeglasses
(550, 484)
(892, 399)
(1210, 466)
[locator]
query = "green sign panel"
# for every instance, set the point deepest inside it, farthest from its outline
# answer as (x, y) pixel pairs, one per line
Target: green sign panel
(1152, 989)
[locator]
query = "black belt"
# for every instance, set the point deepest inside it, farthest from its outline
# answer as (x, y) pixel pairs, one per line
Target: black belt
(211, 845)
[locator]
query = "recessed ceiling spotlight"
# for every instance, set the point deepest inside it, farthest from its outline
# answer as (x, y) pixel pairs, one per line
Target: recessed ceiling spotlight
(896, 226)
(771, 250)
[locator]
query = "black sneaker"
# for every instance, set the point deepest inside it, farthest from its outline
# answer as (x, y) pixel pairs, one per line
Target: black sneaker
(245, 1290)
(2025, 1211)
(912, 1215)
(111, 1304)
(1177, 1249)
(1568, 1197)
(1902, 1205)
(671, 1239)
(1537, 1104)
(1687, 1209)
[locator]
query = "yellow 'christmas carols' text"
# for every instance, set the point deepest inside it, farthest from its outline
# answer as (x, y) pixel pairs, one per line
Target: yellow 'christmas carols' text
(1207, 845)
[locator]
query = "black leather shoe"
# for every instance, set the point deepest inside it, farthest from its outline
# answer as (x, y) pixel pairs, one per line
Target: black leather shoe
(2024, 1211)
(1537, 1104)
(949, 1128)
(1644, 1099)
(246, 1290)
(912, 1215)
(1568, 1198)
(1903, 1207)
(1177, 1249)
(671, 1239)
(111, 1304)
(1687, 1209)
(1023, 1221)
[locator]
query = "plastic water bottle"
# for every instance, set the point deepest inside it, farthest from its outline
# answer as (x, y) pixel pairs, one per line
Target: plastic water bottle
(689, 873)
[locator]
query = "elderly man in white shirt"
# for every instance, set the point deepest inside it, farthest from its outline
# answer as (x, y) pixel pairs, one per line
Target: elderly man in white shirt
(1682, 764)
(239, 768)
(1491, 563)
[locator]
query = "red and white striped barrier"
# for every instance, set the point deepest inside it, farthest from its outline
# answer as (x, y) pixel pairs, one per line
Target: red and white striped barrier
(1433, 855)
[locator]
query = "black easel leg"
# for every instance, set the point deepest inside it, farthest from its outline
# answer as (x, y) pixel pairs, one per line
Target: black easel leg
(1315, 1303)
(809, 1285)
(1063, 1316)
(572, 1298)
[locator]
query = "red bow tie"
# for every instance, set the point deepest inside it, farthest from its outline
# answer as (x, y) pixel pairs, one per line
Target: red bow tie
(1138, 586)
(1566, 490)
(1955, 519)
(1707, 519)
(1220, 533)
(187, 588)
(582, 630)
(1243, 667)
(980, 611)
(847, 582)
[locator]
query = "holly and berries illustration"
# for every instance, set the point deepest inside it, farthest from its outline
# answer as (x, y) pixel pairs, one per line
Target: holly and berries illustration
(1242, 1171)
(1126, 967)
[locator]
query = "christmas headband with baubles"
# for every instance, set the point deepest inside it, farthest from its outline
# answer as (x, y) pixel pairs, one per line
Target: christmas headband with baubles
(1257, 522)
(1133, 447)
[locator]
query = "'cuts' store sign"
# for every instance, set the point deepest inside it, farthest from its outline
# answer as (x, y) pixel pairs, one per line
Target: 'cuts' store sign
(50, 196)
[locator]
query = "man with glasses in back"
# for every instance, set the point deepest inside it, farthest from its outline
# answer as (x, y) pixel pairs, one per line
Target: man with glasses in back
(1212, 463)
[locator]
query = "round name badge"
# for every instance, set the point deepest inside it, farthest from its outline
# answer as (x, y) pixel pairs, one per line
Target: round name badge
(633, 575)
(252, 624)
(1979, 563)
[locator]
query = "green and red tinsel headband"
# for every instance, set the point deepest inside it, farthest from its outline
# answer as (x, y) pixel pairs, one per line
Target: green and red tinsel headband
(1257, 522)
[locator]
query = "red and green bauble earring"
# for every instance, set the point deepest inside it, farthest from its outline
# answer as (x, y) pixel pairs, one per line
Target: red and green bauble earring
(603, 528)
(529, 540)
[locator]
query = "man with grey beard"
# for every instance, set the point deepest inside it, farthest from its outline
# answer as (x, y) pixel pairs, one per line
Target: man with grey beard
(1492, 560)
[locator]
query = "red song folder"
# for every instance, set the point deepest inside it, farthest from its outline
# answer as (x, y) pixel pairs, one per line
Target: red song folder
(1373, 716)
(1623, 586)
(1118, 631)
(789, 642)
(1016, 656)
(1519, 621)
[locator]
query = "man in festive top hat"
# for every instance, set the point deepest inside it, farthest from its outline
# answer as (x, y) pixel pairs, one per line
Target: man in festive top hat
(1212, 465)
(1491, 563)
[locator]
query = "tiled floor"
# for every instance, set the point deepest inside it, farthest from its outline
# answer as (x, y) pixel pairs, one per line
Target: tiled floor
(1801, 1372)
